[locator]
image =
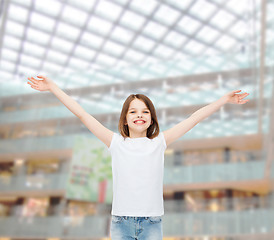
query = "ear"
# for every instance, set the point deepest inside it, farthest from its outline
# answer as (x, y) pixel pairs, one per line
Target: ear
(151, 122)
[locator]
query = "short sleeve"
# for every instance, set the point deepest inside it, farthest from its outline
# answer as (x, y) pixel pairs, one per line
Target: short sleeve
(113, 141)
(163, 140)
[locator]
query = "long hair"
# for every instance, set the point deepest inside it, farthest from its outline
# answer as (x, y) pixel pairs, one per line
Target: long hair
(153, 130)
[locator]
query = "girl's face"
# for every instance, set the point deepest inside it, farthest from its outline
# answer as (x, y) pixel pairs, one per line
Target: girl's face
(138, 118)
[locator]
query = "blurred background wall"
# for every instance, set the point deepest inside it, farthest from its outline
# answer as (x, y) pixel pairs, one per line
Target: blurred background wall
(218, 181)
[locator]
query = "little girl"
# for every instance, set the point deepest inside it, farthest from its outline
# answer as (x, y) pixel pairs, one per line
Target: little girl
(137, 158)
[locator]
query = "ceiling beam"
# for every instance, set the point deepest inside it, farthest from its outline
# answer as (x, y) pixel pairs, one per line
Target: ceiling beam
(262, 65)
(3, 20)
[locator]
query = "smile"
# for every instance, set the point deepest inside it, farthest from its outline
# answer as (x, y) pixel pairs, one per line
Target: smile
(139, 122)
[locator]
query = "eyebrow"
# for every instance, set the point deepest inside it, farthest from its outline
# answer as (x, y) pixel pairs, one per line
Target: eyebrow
(135, 108)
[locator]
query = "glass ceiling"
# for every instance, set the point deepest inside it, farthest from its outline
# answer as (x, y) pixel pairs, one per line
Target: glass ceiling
(83, 43)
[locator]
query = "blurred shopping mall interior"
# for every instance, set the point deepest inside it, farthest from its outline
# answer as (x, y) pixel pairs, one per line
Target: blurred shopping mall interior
(55, 175)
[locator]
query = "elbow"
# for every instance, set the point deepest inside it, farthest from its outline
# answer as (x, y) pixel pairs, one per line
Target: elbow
(195, 119)
(81, 115)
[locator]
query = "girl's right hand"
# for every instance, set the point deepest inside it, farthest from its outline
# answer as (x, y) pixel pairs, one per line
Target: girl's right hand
(45, 84)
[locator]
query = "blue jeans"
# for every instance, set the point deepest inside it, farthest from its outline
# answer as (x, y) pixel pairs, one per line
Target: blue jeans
(133, 228)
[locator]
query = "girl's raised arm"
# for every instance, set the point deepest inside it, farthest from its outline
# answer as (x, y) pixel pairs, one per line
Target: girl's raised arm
(45, 84)
(183, 127)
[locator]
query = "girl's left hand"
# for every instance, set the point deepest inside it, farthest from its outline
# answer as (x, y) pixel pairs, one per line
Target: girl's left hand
(234, 98)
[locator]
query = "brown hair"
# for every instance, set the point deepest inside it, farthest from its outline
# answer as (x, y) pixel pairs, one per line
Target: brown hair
(153, 130)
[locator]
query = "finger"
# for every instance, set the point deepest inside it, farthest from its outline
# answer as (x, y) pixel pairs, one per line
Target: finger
(33, 80)
(235, 91)
(33, 84)
(40, 76)
(243, 95)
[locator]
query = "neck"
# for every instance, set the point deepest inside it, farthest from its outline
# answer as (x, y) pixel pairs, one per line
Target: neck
(137, 135)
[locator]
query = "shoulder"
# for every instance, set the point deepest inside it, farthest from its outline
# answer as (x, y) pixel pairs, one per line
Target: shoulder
(160, 139)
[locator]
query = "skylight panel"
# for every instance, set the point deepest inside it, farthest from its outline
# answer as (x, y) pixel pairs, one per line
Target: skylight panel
(85, 5)
(26, 3)
(99, 25)
(269, 37)
(241, 8)
(30, 61)
(124, 2)
(132, 20)
(189, 25)
(68, 31)
(222, 19)
(26, 71)
(73, 15)
(202, 9)
(45, 6)
(122, 35)
(103, 76)
(78, 63)
(11, 42)
(34, 49)
(180, 4)
(225, 42)
(56, 56)
(164, 52)
(14, 28)
(108, 10)
(144, 43)
(215, 61)
(157, 68)
(84, 52)
(230, 66)
(194, 47)
(207, 34)
(155, 30)
(105, 60)
(4, 74)
(131, 72)
(211, 51)
(239, 29)
(7, 66)
(9, 54)
(186, 64)
(144, 6)
(18, 13)
(202, 69)
(91, 40)
(61, 44)
(166, 15)
(114, 48)
(52, 67)
(121, 64)
(175, 39)
(37, 36)
(42, 22)
(149, 60)
(134, 56)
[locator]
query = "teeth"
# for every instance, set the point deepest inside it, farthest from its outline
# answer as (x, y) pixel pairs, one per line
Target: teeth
(139, 121)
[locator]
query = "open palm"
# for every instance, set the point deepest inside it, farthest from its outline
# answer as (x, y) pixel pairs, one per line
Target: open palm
(43, 84)
(233, 97)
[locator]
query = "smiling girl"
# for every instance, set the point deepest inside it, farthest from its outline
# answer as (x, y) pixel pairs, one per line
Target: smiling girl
(137, 157)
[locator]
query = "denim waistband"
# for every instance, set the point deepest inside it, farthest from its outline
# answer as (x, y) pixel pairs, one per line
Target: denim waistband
(135, 218)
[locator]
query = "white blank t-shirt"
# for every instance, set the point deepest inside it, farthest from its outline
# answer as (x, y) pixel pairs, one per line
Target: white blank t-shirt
(137, 171)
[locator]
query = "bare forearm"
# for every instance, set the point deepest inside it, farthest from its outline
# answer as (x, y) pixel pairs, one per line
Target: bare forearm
(206, 111)
(68, 101)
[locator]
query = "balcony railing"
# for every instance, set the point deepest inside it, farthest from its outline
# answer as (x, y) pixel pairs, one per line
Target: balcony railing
(231, 223)
(173, 175)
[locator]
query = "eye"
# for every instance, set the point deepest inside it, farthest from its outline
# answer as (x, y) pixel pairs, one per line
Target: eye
(132, 112)
(146, 111)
